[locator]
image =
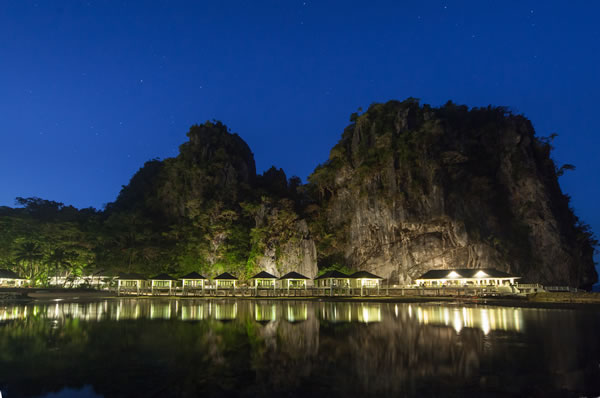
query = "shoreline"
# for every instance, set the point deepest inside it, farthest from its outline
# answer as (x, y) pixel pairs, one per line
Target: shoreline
(540, 300)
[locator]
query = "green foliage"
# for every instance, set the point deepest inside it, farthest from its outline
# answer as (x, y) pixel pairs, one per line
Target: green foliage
(399, 152)
(335, 267)
(206, 210)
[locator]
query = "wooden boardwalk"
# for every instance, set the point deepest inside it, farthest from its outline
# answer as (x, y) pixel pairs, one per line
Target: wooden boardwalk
(321, 292)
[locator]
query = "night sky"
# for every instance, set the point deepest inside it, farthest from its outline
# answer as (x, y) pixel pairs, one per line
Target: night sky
(90, 90)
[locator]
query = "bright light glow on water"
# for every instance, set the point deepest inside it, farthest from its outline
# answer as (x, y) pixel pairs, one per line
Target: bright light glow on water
(225, 347)
(487, 319)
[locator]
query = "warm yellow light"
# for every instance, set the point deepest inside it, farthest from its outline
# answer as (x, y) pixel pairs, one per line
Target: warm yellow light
(453, 274)
(485, 321)
(481, 274)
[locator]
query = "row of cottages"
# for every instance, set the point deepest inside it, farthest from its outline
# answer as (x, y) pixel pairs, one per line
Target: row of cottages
(337, 279)
(466, 277)
(194, 280)
(262, 280)
(9, 278)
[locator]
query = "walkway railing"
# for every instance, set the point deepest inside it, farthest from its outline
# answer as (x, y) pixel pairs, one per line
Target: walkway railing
(326, 291)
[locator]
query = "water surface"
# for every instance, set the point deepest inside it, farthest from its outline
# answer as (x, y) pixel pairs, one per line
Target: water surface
(189, 348)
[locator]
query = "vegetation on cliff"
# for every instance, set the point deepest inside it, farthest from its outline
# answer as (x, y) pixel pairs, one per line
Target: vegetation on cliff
(406, 187)
(410, 188)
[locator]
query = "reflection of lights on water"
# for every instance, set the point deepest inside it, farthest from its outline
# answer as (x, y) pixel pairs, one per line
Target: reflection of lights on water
(369, 313)
(457, 321)
(365, 315)
(158, 311)
(192, 313)
(225, 311)
(297, 312)
(265, 312)
(485, 321)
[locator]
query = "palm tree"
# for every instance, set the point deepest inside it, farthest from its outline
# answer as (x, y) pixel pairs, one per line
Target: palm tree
(59, 259)
(29, 255)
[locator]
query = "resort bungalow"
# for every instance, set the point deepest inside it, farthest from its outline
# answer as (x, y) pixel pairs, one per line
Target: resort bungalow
(192, 281)
(263, 280)
(293, 280)
(333, 279)
(225, 280)
(162, 282)
(9, 278)
(364, 279)
(466, 277)
(131, 281)
(96, 278)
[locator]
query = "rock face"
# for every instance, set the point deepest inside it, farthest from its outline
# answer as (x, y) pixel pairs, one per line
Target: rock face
(286, 244)
(411, 188)
(207, 210)
(408, 188)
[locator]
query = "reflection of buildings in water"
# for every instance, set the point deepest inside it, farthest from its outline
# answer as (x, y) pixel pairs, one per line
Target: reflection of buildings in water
(160, 310)
(264, 312)
(392, 357)
(224, 311)
(369, 313)
(287, 358)
(485, 319)
(350, 312)
(126, 311)
(13, 313)
(57, 310)
(194, 312)
(296, 312)
(335, 312)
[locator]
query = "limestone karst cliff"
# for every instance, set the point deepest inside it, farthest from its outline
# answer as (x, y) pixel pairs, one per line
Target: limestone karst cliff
(214, 213)
(410, 188)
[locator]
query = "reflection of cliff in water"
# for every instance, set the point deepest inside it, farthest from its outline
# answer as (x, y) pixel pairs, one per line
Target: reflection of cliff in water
(285, 361)
(141, 347)
(399, 356)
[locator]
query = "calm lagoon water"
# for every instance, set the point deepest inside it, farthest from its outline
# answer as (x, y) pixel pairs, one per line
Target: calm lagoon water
(191, 348)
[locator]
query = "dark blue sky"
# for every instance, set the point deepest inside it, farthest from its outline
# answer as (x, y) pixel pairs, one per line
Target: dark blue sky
(89, 90)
